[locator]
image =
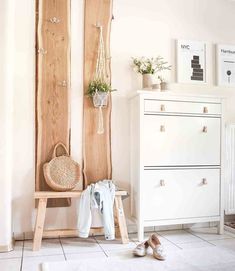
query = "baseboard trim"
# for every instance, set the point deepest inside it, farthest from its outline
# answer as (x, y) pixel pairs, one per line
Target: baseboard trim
(132, 228)
(7, 248)
(227, 228)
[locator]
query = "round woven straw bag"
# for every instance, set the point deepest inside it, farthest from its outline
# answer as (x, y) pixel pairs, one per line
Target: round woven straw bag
(61, 173)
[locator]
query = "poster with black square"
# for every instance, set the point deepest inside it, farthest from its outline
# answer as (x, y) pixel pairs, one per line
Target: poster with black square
(226, 65)
(191, 61)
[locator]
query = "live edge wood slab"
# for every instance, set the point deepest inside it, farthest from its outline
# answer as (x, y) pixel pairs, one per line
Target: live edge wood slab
(52, 85)
(43, 197)
(97, 148)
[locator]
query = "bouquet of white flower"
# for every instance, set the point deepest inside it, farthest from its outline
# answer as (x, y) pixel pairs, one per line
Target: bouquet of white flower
(144, 65)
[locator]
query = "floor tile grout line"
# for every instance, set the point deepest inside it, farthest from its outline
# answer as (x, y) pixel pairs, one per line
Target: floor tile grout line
(101, 247)
(169, 240)
(43, 255)
(62, 249)
(186, 243)
(82, 253)
(207, 241)
(11, 258)
(187, 231)
(137, 242)
(228, 236)
(221, 239)
(22, 257)
(197, 237)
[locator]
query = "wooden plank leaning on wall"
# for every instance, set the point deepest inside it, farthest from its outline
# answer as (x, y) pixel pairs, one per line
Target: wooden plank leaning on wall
(97, 147)
(52, 84)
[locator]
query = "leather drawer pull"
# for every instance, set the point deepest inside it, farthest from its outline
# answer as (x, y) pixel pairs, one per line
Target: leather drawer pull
(205, 110)
(204, 130)
(162, 183)
(162, 128)
(204, 181)
(162, 108)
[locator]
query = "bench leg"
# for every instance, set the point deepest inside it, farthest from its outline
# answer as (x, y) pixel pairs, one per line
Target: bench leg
(117, 229)
(38, 231)
(121, 220)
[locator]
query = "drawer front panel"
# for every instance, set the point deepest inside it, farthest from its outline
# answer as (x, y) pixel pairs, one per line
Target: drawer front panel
(180, 141)
(155, 106)
(183, 193)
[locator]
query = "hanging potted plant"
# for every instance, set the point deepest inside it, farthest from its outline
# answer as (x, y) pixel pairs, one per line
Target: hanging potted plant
(149, 67)
(99, 90)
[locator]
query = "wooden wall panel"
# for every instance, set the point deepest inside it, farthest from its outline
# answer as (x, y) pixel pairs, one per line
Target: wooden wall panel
(52, 84)
(96, 148)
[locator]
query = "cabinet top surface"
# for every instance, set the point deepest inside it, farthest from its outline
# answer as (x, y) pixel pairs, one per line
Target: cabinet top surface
(172, 95)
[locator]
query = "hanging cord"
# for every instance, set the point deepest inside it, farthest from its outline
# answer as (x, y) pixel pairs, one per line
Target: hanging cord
(100, 122)
(100, 75)
(100, 72)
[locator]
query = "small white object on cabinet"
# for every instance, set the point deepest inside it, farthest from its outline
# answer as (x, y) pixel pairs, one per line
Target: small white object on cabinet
(176, 159)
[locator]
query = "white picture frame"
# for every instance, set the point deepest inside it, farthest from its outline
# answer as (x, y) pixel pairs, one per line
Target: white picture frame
(225, 65)
(191, 62)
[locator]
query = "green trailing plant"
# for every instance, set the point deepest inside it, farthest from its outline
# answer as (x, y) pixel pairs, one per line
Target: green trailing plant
(144, 65)
(98, 85)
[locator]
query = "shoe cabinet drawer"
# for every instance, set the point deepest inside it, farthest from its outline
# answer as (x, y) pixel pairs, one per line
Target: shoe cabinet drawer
(156, 106)
(180, 140)
(181, 193)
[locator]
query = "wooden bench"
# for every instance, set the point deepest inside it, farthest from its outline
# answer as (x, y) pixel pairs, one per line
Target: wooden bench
(43, 196)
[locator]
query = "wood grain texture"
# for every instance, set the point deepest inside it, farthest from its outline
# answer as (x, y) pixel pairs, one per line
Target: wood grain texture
(52, 84)
(70, 233)
(44, 196)
(39, 224)
(97, 148)
(68, 194)
(122, 228)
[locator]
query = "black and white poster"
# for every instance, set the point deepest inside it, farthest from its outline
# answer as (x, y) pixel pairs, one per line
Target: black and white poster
(191, 61)
(226, 65)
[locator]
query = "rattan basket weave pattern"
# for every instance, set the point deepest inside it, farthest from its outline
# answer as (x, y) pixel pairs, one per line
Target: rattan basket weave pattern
(61, 173)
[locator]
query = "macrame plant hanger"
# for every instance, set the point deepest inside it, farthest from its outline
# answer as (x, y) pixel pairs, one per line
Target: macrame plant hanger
(100, 99)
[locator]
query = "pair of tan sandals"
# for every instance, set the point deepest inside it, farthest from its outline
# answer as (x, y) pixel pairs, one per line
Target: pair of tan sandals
(154, 243)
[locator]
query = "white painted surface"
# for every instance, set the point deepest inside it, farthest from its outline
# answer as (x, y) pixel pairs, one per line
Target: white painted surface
(181, 193)
(230, 170)
(165, 137)
(155, 106)
(138, 29)
(175, 183)
(6, 117)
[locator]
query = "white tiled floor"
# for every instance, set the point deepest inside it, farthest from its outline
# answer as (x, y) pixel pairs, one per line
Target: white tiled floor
(203, 239)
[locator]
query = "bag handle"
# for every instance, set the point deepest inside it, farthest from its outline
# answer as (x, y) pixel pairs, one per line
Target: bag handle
(59, 144)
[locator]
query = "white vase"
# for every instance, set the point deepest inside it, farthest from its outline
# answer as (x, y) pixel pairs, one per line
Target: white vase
(147, 80)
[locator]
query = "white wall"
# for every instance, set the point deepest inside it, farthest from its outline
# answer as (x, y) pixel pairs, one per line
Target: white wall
(24, 116)
(23, 126)
(139, 28)
(6, 118)
(150, 28)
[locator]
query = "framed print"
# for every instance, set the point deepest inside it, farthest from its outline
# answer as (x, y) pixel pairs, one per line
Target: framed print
(191, 61)
(225, 65)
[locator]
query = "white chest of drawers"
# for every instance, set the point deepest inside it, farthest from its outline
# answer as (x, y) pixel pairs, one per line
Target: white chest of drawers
(176, 159)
